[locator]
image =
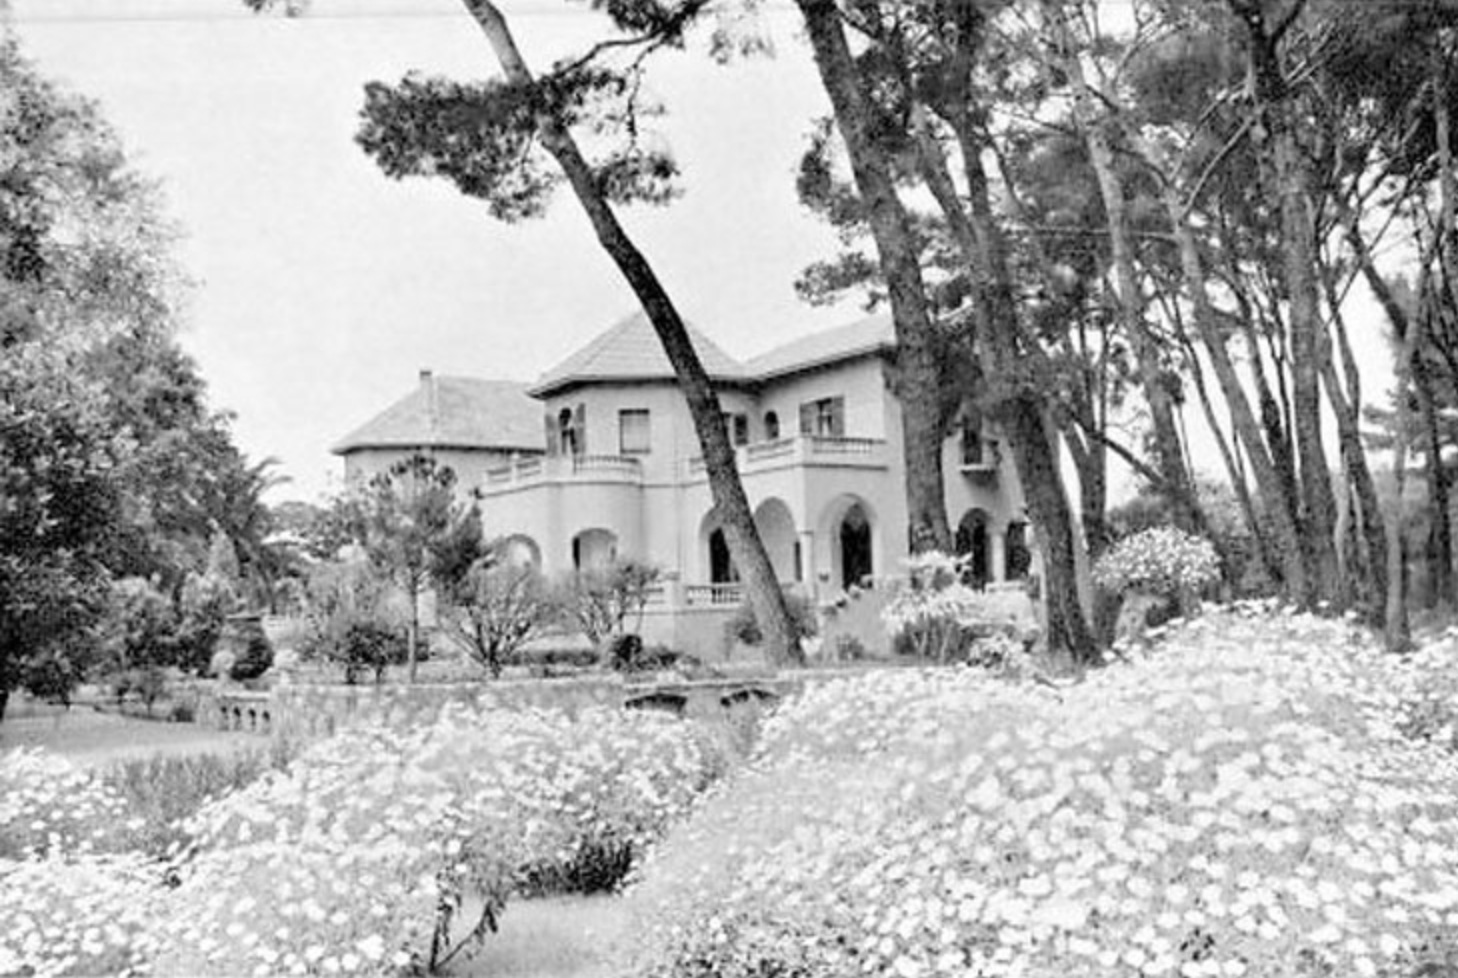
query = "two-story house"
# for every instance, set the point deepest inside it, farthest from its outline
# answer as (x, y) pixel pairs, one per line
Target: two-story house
(818, 434)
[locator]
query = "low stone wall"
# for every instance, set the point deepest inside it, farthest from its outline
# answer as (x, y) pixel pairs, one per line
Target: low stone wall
(306, 711)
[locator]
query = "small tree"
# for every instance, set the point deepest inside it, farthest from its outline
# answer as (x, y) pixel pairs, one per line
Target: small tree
(350, 622)
(497, 608)
(417, 533)
(600, 600)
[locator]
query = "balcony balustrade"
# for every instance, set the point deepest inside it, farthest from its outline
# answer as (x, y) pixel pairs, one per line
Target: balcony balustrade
(809, 450)
(563, 468)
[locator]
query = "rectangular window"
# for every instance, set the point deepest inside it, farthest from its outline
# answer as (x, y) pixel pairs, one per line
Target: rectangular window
(824, 417)
(739, 428)
(635, 435)
(973, 450)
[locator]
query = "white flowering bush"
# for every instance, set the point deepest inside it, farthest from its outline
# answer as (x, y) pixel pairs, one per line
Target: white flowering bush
(82, 915)
(48, 805)
(381, 850)
(1245, 804)
(377, 852)
(1162, 560)
(935, 616)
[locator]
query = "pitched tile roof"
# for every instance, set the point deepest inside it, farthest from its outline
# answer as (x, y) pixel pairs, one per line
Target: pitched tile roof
(454, 412)
(869, 335)
(630, 350)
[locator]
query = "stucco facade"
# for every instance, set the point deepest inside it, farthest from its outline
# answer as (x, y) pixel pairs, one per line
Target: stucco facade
(819, 452)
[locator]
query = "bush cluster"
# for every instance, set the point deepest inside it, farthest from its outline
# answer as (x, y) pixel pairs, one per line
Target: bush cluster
(1245, 804)
(1162, 561)
(377, 852)
(936, 616)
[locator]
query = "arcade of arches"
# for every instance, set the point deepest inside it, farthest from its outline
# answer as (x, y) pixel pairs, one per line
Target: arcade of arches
(840, 551)
(993, 556)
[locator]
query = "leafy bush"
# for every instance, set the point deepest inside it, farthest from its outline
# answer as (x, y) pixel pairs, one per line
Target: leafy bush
(497, 607)
(350, 622)
(1243, 804)
(163, 791)
(1162, 560)
(935, 616)
(599, 602)
(743, 626)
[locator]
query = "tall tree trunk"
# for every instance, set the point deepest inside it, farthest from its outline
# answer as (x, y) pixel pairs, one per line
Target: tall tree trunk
(1168, 446)
(1285, 536)
(731, 505)
(1275, 139)
(917, 371)
(1441, 544)
(1020, 412)
(1397, 633)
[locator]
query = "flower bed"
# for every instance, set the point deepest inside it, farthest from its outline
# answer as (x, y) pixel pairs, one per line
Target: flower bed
(379, 851)
(1247, 802)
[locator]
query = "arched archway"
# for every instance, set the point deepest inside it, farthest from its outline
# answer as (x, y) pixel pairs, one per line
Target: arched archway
(594, 549)
(716, 565)
(520, 550)
(848, 527)
(973, 542)
(777, 531)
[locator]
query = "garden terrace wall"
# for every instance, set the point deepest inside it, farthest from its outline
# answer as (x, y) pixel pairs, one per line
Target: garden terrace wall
(309, 710)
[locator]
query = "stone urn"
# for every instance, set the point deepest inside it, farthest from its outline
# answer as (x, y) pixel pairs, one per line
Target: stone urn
(243, 651)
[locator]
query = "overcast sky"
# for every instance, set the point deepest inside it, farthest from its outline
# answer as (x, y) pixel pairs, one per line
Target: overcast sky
(323, 287)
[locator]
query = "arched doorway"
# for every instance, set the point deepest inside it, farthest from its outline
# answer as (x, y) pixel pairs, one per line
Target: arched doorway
(594, 549)
(721, 563)
(1019, 556)
(855, 546)
(777, 531)
(973, 543)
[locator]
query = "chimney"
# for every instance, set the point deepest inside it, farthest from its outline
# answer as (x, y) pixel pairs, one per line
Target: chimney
(425, 375)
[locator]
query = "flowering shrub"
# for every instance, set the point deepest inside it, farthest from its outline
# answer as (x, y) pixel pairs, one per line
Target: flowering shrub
(375, 844)
(1246, 804)
(937, 617)
(86, 915)
(377, 852)
(1161, 560)
(50, 806)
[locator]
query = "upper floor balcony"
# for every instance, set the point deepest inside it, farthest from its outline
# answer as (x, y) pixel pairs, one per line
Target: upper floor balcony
(617, 469)
(828, 451)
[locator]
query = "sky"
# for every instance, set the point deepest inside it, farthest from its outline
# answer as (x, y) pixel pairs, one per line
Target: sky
(322, 288)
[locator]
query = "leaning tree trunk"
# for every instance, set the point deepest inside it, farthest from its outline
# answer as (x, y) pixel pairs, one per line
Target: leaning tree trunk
(731, 505)
(918, 374)
(1034, 453)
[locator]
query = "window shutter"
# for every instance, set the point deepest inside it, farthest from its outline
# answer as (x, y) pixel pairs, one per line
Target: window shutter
(554, 442)
(579, 427)
(807, 418)
(837, 417)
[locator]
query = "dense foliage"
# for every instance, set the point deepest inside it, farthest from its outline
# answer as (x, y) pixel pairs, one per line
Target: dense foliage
(1250, 800)
(379, 851)
(112, 465)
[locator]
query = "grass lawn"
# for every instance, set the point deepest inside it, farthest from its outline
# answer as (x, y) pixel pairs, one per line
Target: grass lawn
(93, 739)
(553, 937)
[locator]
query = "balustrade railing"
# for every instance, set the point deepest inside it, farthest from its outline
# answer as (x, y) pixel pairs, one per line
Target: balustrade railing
(712, 595)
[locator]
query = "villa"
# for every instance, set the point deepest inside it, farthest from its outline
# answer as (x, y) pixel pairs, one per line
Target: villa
(599, 459)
